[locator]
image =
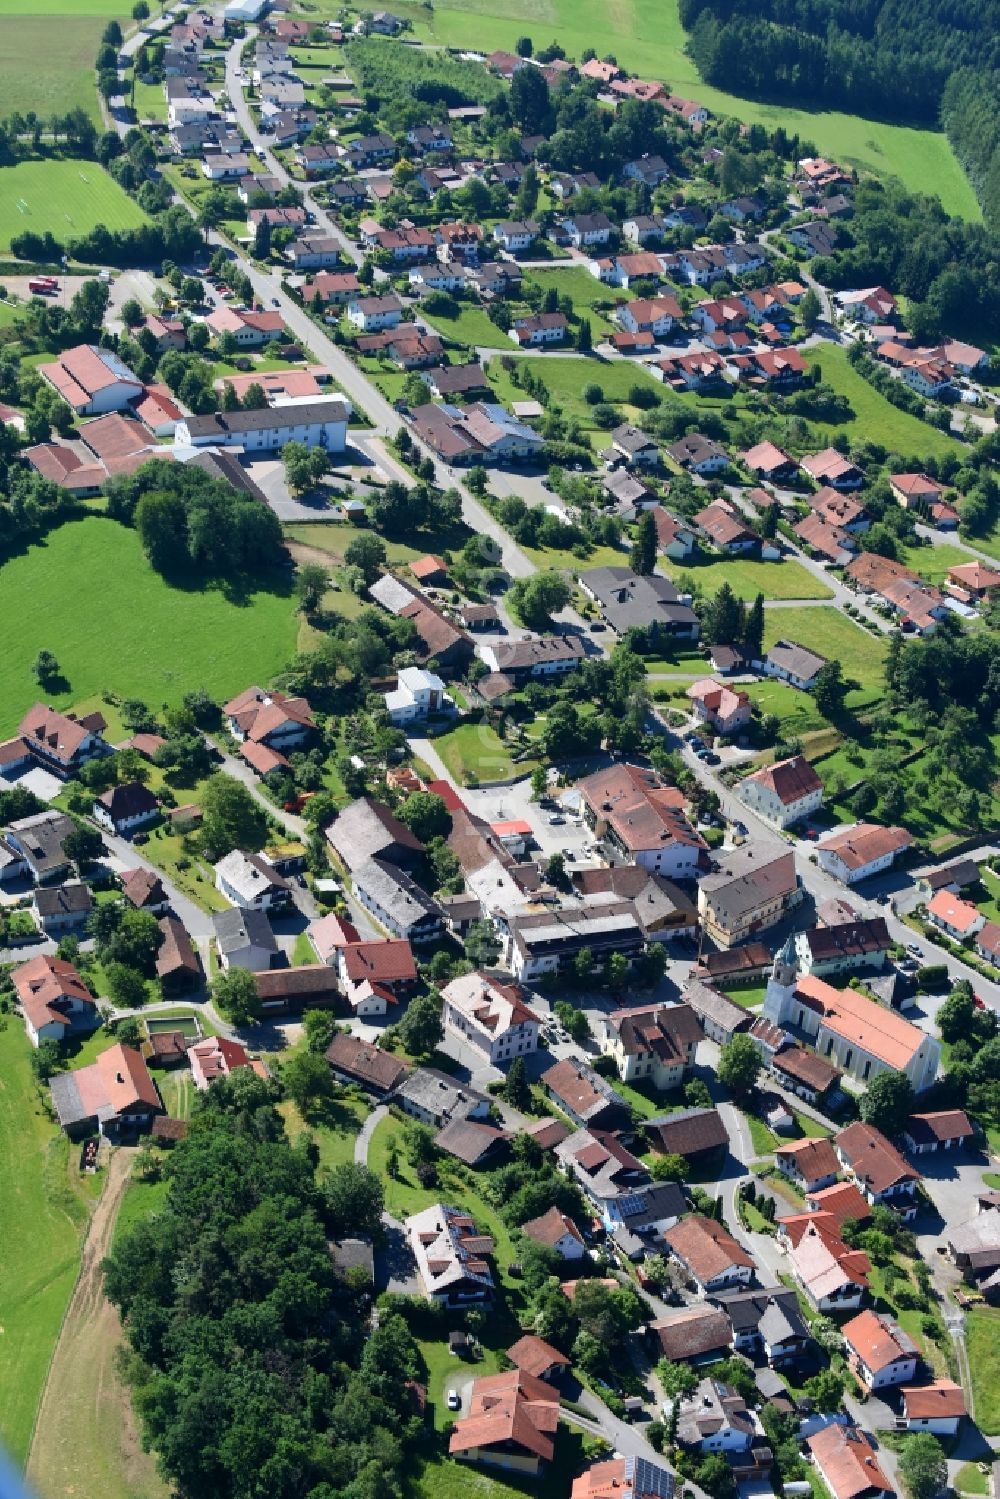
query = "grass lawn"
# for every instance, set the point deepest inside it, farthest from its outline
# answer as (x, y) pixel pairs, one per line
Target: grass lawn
(44, 1216)
(335, 1137)
(566, 378)
(873, 414)
(750, 996)
(982, 1338)
(933, 562)
(115, 625)
(149, 98)
(747, 578)
(445, 1478)
(646, 37)
(471, 327)
(586, 292)
(141, 1199)
(796, 710)
(67, 197)
(474, 752)
(830, 633)
(969, 1480)
(177, 855)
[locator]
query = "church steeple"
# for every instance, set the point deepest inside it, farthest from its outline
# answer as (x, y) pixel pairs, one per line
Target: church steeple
(781, 986)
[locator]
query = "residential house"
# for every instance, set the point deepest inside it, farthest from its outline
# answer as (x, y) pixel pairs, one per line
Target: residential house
(251, 330)
(663, 909)
(482, 433)
(281, 991)
(721, 523)
(652, 604)
(766, 461)
(588, 1099)
(699, 1334)
(709, 1255)
(244, 939)
(832, 1276)
(642, 228)
(633, 447)
(511, 1424)
(879, 1353)
(653, 1043)
(673, 538)
(880, 1173)
(418, 693)
(650, 170)
(832, 469)
(452, 1256)
(539, 658)
(639, 821)
(315, 252)
(584, 230)
(699, 455)
(143, 889)
(435, 1098)
(726, 710)
(792, 663)
(828, 542)
(36, 846)
(699, 1135)
(655, 315)
(960, 919)
(811, 1164)
(539, 328)
(714, 1418)
(602, 1166)
(515, 235)
(250, 881)
(752, 890)
(856, 853)
(768, 1322)
(491, 1017)
(126, 808)
(848, 1464)
(805, 1074)
(783, 793)
(59, 909)
(843, 947)
(178, 966)
(373, 314)
(639, 1219)
(558, 1232)
(538, 1359)
(397, 902)
(61, 742)
(54, 1000)
(217, 1057)
(114, 1096)
(361, 1062)
(938, 1407)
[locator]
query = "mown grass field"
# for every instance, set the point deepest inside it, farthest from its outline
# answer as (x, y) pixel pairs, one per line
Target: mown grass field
(830, 633)
(647, 38)
(471, 327)
(44, 1218)
(875, 418)
(68, 198)
(474, 752)
(747, 578)
(47, 58)
(87, 594)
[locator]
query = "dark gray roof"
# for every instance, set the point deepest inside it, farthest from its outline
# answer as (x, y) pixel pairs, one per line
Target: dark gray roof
(63, 900)
(227, 467)
(221, 423)
(236, 929)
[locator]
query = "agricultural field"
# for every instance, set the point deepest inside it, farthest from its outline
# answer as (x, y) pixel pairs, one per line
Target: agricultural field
(114, 624)
(67, 198)
(47, 60)
(646, 36)
(875, 418)
(45, 1214)
(830, 633)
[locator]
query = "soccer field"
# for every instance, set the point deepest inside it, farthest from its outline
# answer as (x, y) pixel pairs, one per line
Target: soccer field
(67, 197)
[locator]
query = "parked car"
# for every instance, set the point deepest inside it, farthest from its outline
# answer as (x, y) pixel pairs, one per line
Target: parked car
(556, 820)
(711, 758)
(454, 1400)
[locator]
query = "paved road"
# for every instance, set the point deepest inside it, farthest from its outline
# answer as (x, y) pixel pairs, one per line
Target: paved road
(369, 1127)
(197, 921)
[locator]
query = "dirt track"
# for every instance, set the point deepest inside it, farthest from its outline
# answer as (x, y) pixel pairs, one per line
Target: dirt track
(86, 1440)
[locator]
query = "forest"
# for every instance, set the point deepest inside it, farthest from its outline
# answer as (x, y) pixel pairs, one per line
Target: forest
(884, 59)
(251, 1363)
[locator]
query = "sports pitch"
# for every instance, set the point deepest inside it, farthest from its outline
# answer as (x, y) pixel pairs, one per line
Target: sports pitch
(69, 198)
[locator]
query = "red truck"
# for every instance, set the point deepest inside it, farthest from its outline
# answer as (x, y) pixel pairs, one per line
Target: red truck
(43, 286)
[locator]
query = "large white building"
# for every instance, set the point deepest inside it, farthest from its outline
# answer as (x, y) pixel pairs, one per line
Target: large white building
(857, 1035)
(91, 380)
(783, 793)
(854, 854)
(417, 693)
(491, 1017)
(317, 423)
